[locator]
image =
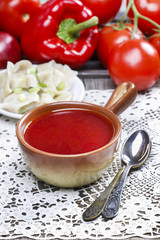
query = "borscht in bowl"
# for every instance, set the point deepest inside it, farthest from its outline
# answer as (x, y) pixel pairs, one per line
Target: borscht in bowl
(69, 131)
(70, 144)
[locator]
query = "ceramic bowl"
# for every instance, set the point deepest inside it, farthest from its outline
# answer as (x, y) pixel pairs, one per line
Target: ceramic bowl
(75, 170)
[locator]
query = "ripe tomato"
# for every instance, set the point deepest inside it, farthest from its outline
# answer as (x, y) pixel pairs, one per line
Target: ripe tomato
(109, 38)
(150, 9)
(14, 14)
(155, 41)
(105, 10)
(136, 61)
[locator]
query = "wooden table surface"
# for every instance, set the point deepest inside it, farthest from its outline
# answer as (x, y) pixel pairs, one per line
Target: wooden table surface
(94, 76)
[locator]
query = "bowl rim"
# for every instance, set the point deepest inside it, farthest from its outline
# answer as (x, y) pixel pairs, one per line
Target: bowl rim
(66, 104)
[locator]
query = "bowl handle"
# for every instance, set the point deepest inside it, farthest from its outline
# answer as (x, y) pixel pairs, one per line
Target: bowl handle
(122, 97)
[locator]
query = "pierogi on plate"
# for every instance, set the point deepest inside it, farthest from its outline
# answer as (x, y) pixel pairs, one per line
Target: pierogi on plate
(24, 86)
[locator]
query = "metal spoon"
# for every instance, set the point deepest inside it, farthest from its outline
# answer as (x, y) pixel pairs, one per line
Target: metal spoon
(136, 147)
(135, 152)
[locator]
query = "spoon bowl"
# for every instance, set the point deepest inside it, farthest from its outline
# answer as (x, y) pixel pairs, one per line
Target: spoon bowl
(136, 148)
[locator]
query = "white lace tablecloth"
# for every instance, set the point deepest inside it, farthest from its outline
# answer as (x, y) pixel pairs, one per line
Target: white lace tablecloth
(31, 208)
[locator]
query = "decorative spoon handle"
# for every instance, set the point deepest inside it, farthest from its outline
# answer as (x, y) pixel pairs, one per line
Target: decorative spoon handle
(97, 206)
(111, 208)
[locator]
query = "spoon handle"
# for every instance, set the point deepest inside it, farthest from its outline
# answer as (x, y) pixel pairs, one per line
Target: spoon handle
(95, 209)
(112, 205)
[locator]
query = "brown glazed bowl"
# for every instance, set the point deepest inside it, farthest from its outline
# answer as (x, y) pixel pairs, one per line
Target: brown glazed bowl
(78, 169)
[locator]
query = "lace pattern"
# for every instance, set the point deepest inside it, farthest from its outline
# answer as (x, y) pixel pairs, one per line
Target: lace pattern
(31, 208)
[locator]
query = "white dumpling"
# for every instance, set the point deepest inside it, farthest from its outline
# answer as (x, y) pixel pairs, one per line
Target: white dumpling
(46, 78)
(68, 74)
(10, 71)
(45, 74)
(46, 98)
(22, 80)
(20, 75)
(53, 74)
(43, 66)
(10, 68)
(22, 66)
(5, 89)
(63, 74)
(20, 103)
(66, 96)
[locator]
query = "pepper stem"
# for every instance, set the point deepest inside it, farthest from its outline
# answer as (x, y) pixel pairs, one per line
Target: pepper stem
(69, 30)
(83, 25)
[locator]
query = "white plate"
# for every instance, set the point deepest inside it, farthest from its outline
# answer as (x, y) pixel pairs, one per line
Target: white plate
(77, 89)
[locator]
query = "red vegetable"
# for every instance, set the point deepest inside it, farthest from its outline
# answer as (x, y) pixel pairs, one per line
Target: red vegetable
(14, 14)
(136, 61)
(56, 32)
(105, 10)
(155, 41)
(10, 49)
(109, 37)
(150, 9)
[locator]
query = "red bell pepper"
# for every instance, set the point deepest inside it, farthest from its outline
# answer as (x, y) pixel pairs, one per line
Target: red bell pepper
(63, 30)
(14, 14)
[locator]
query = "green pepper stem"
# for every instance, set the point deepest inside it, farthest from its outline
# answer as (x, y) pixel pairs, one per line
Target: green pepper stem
(81, 26)
(69, 30)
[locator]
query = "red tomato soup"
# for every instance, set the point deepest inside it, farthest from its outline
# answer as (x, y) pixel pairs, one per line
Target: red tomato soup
(69, 131)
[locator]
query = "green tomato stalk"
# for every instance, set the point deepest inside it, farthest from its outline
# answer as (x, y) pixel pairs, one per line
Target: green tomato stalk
(137, 15)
